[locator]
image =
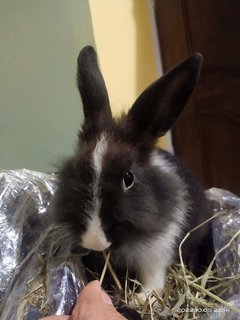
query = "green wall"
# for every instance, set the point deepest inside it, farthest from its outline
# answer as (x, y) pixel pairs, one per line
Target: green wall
(40, 108)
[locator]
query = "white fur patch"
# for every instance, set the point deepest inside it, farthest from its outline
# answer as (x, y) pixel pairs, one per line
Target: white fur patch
(154, 257)
(97, 159)
(94, 238)
(158, 258)
(159, 160)
(98, 153)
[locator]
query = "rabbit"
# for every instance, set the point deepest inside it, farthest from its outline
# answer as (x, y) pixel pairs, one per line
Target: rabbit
(123, 193)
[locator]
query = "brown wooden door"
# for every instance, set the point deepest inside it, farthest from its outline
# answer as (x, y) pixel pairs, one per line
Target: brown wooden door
(207, 135)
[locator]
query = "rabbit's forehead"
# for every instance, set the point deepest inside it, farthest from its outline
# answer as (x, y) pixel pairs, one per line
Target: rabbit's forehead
(110, 152)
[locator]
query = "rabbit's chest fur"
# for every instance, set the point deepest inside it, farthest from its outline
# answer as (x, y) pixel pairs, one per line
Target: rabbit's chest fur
(151, 259)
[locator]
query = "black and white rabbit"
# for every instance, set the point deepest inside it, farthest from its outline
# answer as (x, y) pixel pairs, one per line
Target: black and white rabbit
(120, 191)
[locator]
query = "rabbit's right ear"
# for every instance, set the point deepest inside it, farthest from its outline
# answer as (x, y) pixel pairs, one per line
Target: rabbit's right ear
(92, 87)
(159, 106)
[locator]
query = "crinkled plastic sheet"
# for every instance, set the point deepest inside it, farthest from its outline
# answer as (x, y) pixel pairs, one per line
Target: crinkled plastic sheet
(35, 279)
(226, 231)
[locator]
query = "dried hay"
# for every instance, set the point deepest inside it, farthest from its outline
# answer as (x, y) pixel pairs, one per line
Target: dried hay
(184, 296)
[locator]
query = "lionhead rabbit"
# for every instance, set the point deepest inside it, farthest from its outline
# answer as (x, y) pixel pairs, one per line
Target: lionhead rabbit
(120, 191)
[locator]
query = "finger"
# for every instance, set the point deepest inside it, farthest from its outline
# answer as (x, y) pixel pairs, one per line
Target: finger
(56, 318)
(93, 303)
(93, 293)
(98, 311)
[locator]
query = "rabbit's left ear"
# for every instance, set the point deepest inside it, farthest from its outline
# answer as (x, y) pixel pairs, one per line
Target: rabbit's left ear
(158, 107)
(92, 87)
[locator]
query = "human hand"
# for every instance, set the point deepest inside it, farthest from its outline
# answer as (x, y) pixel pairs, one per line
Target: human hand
(92, 304)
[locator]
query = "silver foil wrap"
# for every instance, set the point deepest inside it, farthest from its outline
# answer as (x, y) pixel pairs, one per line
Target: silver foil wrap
(35, 279)
(226, 238)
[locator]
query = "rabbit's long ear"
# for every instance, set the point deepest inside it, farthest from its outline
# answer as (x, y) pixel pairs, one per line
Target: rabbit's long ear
(158, 107)
(91, 86)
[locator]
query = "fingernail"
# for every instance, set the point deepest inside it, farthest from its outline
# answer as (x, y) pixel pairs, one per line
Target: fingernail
(106, 299)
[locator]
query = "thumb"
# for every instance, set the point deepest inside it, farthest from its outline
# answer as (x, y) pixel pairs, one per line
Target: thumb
(94, 304)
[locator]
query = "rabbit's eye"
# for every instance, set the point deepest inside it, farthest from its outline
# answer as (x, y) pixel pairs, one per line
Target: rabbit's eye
(128, 179)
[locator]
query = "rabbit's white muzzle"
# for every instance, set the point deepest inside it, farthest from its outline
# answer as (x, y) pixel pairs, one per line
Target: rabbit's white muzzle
(94, 238)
